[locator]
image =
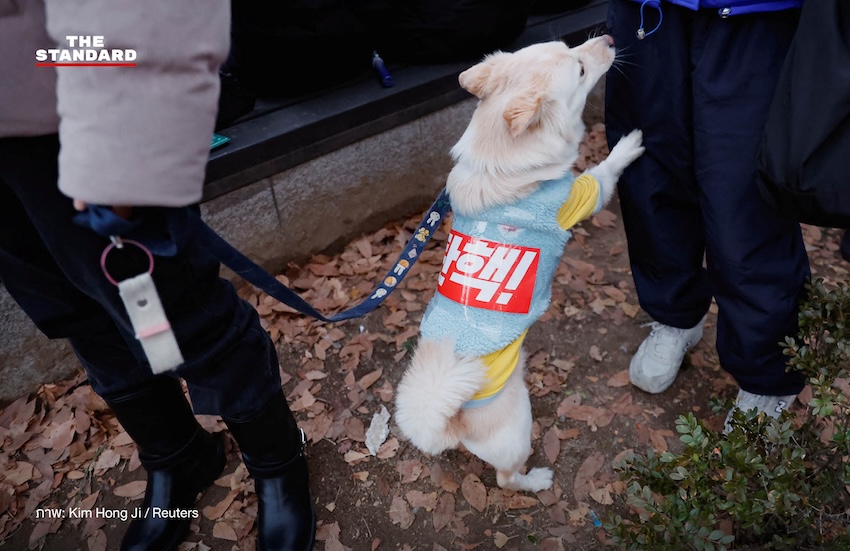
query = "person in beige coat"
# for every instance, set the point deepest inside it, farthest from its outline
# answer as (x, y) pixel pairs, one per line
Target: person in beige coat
(136, 139)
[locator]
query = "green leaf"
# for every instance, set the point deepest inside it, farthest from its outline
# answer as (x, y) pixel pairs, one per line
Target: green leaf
(716, 535)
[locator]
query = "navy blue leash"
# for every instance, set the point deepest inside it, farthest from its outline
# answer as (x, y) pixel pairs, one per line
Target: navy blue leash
(250, 272)
(102, 220)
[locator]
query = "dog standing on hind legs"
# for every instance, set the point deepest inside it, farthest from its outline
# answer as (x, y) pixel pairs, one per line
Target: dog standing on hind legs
(514, 201)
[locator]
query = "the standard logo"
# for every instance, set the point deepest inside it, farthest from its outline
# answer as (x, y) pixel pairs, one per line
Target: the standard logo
(85, 51)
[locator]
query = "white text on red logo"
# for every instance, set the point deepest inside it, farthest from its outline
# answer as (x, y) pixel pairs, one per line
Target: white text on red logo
(487, 274)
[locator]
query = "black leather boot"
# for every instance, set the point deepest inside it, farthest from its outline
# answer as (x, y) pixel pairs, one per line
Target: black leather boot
(181, 459)
(272, 447)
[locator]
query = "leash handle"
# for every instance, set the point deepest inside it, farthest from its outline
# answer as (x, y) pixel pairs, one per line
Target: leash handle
(252, 273)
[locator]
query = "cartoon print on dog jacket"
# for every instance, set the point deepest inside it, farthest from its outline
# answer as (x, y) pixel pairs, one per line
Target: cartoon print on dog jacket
(496, 278)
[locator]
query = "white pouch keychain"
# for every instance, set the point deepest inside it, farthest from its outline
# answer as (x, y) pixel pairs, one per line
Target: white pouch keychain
(147, 316)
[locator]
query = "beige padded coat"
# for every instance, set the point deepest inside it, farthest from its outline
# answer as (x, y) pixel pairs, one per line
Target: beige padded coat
(129, 135)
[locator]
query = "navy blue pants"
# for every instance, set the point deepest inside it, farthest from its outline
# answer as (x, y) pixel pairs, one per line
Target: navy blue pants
(699, 87)
(51, 267)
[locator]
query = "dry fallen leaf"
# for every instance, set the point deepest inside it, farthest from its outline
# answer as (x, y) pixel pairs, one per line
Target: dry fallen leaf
(595, 353)
(614, 293)
(17, 473)
(500, 540)
(631, 310)
(388, 449)
(419, 499)
(42, 529)
(224, 531)
(658, 439)
(354, 457)
(602, 495)
(400, 513)
(369, 379)
(214, 512)
(131, 489)
(325, 532)
(410, 470)
(97, 541)
(583, 483)
(521, 501)
(474, 492)
(108, 459)
(619, 379)
(443, 512)
(594, 416)
(552, 445)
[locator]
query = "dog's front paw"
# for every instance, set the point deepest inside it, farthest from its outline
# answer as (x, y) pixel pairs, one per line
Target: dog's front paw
(538, 479)
(629, 148)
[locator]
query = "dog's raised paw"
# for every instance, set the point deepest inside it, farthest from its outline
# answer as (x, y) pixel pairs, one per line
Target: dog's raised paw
(629, 148)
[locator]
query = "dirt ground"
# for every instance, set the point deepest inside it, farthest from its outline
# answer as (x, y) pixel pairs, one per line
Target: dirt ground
(65, 455)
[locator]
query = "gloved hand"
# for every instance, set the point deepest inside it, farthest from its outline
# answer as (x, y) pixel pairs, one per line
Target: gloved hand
(122, 211)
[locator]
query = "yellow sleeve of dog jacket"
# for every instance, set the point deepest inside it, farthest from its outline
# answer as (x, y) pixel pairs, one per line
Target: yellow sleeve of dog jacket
(584, 197)
(500, 364)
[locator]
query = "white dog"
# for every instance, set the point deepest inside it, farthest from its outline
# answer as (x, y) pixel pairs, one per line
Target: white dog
(514, 199)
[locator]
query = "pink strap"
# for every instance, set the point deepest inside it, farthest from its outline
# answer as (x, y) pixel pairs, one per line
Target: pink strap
(153, 330)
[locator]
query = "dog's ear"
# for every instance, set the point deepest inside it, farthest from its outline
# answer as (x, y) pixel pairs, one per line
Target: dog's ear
(522, 111)
(476, 80)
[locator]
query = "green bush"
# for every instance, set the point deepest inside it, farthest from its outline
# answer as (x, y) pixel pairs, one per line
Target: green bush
(770, 483)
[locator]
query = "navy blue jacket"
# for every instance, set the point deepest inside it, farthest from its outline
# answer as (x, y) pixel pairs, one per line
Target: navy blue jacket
(731, 7)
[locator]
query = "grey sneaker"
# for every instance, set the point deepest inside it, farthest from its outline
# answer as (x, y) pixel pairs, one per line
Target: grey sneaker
(657, 361)
(771, 405)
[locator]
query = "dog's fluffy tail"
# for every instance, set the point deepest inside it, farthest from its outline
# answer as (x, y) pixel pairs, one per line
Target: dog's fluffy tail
(431, 393)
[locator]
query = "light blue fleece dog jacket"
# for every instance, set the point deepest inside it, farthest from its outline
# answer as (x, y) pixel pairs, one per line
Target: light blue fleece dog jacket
(531, 222)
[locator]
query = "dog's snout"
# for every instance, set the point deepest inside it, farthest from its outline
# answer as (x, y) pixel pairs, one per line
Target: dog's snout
(609, 39)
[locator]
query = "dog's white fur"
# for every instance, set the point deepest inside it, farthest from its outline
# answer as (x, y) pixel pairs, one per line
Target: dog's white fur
(526, 129)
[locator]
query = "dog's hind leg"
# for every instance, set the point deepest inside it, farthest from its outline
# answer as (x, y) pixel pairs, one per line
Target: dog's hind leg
(539, 478)
(500, 434)
(508, 451)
